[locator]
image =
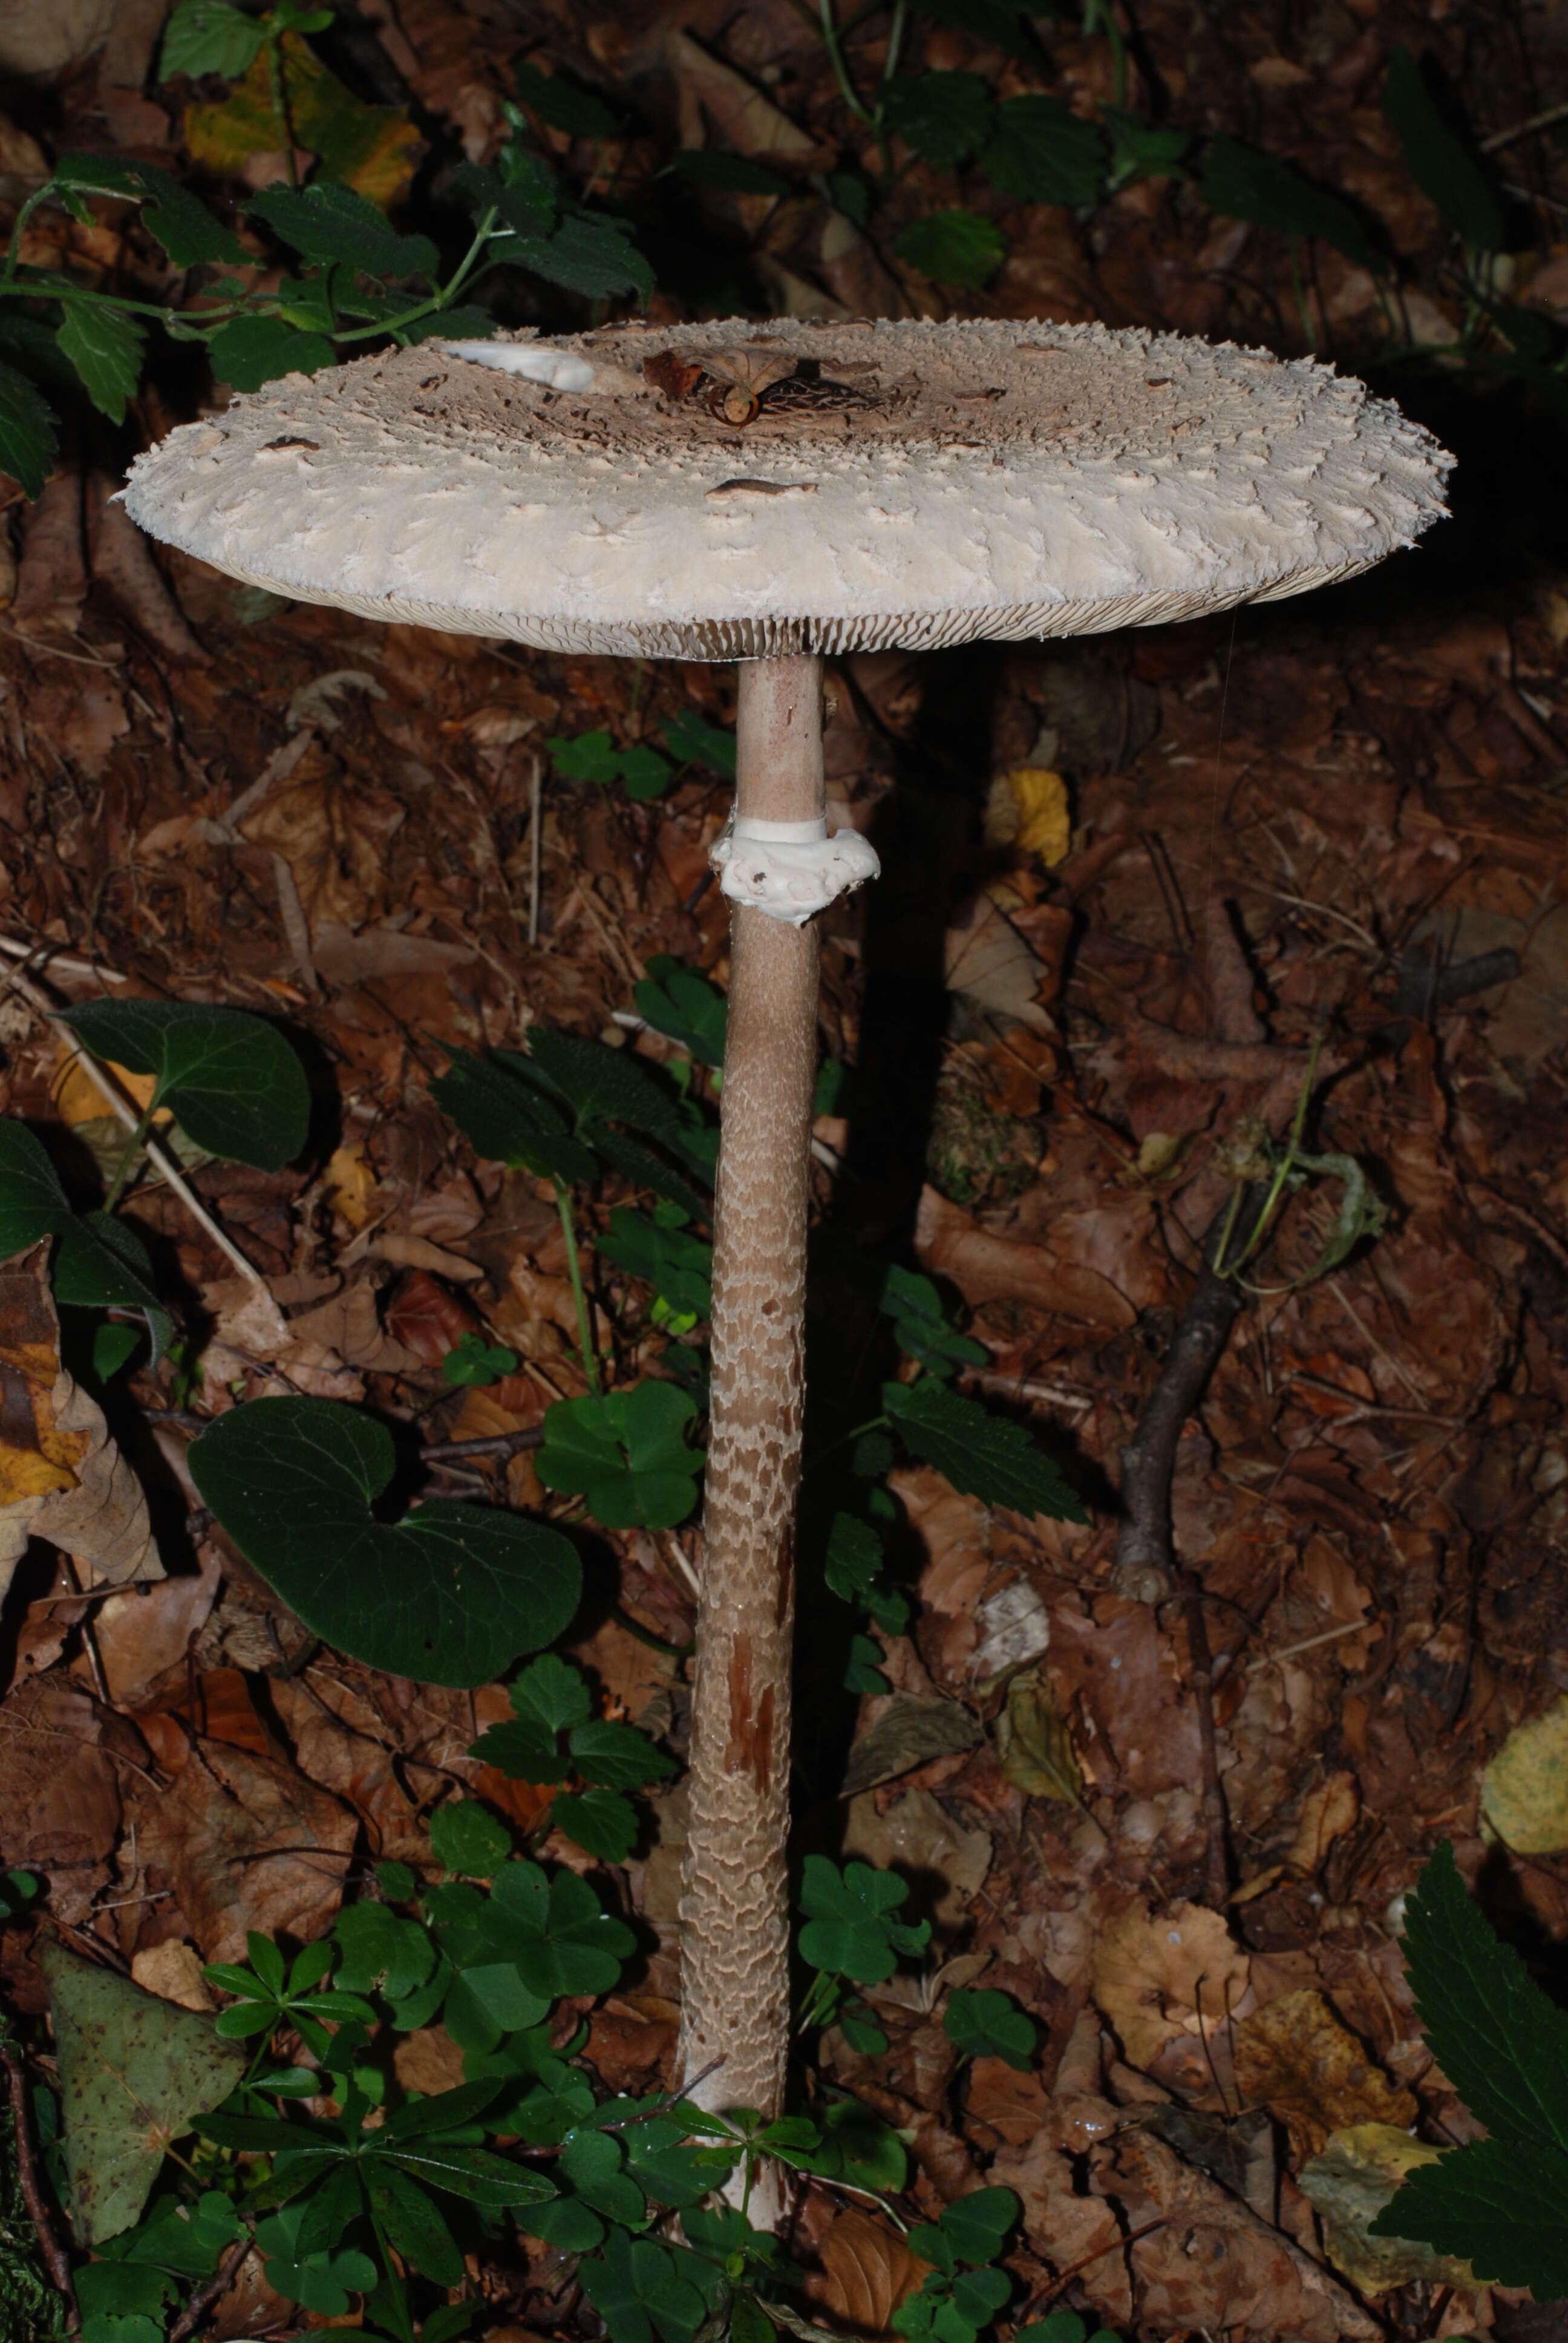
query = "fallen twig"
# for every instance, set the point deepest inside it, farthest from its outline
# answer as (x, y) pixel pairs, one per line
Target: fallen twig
(202, 2300)
(53, 2253)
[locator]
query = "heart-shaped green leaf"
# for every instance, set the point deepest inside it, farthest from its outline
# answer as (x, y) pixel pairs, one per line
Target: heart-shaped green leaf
(230, 1080)
(447, 1595)
(135, 2072)
(99, 1264)
(626, 1454)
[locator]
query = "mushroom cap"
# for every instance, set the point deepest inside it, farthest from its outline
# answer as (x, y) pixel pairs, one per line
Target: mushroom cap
(899, 484)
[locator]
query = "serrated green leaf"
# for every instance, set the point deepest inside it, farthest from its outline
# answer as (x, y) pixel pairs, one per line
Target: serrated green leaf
(551, 1693)
(1043, 152)
(944, 117)
(508, 1118)
(920, 1325)
(594, 258)
(136, 2072)
(525, 198)
(626, 1454)
(466, 1837)
(1243, 182)
(677, 1265)
(1439, 162)
(1503, 2212)
(1502, 2045)
(185, 228)
(601, 1822)
(677, 1001)
(106, 346)
(209, 36)
(250, 352)
(232, 1082)
(334, 223)
(981, 1455)
(989, 2024)
(954, 247)
(446, 1597)
(1140, 149)
(618, 1756)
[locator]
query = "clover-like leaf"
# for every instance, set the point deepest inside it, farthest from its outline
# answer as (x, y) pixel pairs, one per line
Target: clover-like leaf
(445, 1596)
(851, 1929)
(989, 2024)
(626, 1454)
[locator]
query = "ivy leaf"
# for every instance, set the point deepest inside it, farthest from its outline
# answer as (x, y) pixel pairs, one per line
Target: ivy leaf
(851, 1931)
(99, 1264)
(106, 346)
(231, 1082)
(250, 352)
(626, 1454)
(209, 36)
(1439, 162)
(953, 248)
(334, 225)
(1043, 152)
(27, 440)
(989, 2024)
(1241, 182)
(944, 117)
(677, 1001)
(446, 1597)
(1502, 2045)
(563, 104)
(692, 741)
(981, 1455)
(1493, 2207)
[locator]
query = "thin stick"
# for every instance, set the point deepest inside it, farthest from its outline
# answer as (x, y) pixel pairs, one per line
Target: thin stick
(535, 800)
(1500, 138)
(128, 1115)
(65, 962)
(202, 2300)
(49, 2246)
(492, 1443)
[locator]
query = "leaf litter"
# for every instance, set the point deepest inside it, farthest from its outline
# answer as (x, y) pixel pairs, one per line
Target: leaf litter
(1370, 1493)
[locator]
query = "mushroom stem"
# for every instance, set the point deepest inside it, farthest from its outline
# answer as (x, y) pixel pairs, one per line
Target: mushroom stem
(735, 1932)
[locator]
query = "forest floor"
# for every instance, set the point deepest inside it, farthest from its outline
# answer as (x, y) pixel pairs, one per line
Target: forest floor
(1302, 824)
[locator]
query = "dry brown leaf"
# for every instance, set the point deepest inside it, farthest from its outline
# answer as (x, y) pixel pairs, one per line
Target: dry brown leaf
(172, 1971)
(246, 1842)
(1152, 1972)
(340, 1744)
(427, 1319)
(149, 1629)
(1067, 2228)
(428, 2060)
(334, 834)
(61, 1478)
(1118, 1680)
(1013, 2106)
(1294, 2057)
(1349, 2183)
(745, 119)
(985, 958)
(350, 1324)
(919, 1835)
(867, 2270)
(250, 1330)
(989, 1268)
(1326, 1813)
(59, 1802)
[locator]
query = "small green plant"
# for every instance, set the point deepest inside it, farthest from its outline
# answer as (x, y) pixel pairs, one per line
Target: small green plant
(1496, 2203)
(474, 1364)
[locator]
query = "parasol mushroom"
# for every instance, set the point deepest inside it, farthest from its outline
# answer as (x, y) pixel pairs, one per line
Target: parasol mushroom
(773, 495)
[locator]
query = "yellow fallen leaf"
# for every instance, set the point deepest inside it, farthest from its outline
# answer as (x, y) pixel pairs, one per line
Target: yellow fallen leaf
(350, 1184)
(1045, 822)
(1524, 1790)
(1296, 2058)
(372, 148)
(1349, 2184)
(78, 1099)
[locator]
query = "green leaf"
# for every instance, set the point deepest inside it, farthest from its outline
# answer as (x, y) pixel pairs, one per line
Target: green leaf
(989, 2024)
(106, 346)
(508, 1117)
(99, 1264)
(678, 1266)
(185, 228)
(853, 1558)
(1503, 2211)
(1140, 151)
(618, 1756)
(474, 2173)
(333, 223)
(562, 1941)
(644, 773)
(978, 2295)
(590, 257)
(1043, 152)
(855, 2147)
(1241, 182)
(983, 1455)
(250, 352)
(944, 117)
(27, 440)
(1502, 2045)
(863, 1668)
(209, 36)
(563, 104)
(473, 1364)
(601, 1822)
(921, 1326)
(136, 2072)
(525, 197)
(447, 1595)
(738, 174)
(978, 2225)
(414, 2227)
(626, 1454)
(952, 249)
(321, 2280)
(1441, 163)
(232, 1082)
(381, 1953)
(851, 1931)
(466, 1837)
(595, 2165)
(851, 196)
(589, 756)
(692, 741)
(549, 1692)
(677, 1001)
(668, 2168)
(641, 2291)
